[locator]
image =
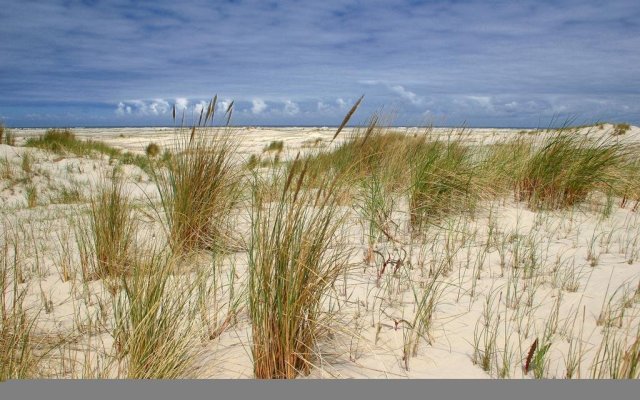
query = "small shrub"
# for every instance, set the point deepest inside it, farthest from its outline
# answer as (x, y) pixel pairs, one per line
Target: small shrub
(152, 150)
(621, 129)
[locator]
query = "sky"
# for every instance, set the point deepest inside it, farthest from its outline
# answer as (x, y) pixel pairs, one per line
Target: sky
(448, 63)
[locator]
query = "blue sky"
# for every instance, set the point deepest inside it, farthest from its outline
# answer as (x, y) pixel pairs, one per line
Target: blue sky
(126, 63)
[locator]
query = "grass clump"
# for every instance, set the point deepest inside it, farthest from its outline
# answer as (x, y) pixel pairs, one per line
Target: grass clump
(292, 264)
(27, 163)
(6, 136)
(63, 141)
(442, 181)
(276, 145)
(620, 129)
(154, 324)
(17, 356)
(112, 228)
(502, 163)
(566, 168)
(198, 188)
(372, 150)
(152, 150)
(32, 195)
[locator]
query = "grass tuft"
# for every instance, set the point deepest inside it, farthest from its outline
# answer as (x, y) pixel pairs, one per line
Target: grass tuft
(199, 186)
(152, 150)
(621, 129)
(64, 141)
(566, 168)
(154, 323)
(112, 228)
(292, 264)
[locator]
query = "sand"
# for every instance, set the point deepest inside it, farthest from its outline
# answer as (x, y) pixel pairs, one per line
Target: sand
(581, 260)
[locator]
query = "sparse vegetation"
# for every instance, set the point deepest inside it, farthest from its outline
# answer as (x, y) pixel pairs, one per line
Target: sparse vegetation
(112, 228)
(155, 329)
(198, 189)
(620, 129)
(27, 163)
(64, 141)
(17, 343)
(152, 150)
(366, 255)
(32, 195)
(6, 136)
(566, 168)
(276, 145)
(292, 265)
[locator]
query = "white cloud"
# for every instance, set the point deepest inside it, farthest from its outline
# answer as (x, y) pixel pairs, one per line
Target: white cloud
(199, 106)
(341, 103)
(159, 106)
(182, 103)
(322, 107)
(258, 106)
(291, 108)
(120, 109)
(144, 107)
(407, 95)
(223, 105)
(123, 109)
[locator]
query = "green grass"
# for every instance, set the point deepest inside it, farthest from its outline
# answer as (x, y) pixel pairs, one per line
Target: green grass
(566, 168)
(27, 163)
(198, 188)
(154, 324)
(276, 145)
(67, 195)
(17, 345)
(112, 228)
(64, 141)
(442, 182)
(32, 195)
(152, 150)
(292, 265)
(621, 129)
(6, 136)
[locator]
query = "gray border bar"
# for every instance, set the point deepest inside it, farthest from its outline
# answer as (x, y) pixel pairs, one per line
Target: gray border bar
(321, 389)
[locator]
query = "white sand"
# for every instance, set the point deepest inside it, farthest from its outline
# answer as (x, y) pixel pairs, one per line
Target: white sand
(367, 342)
